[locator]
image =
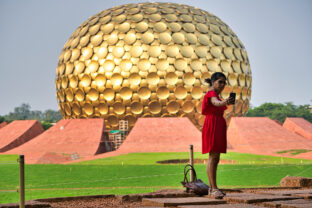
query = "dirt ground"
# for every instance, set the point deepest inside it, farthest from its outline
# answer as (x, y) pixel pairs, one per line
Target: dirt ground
(95, 203)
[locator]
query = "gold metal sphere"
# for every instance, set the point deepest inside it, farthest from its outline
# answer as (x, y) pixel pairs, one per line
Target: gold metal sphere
(149, 60)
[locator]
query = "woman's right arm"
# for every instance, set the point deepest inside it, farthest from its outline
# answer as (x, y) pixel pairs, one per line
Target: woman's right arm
(218, 103)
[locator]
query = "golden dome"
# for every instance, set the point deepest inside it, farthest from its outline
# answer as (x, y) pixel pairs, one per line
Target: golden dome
(149, 60)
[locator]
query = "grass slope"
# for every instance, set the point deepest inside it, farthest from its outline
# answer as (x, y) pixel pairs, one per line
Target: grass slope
(139, 173)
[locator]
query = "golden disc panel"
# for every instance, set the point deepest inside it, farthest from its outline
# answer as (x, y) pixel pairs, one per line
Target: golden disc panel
(87, 108)
(226, 66)
(101, 52)
(171, 17)
(69, 68)
(180, 93)
(228, 52)
(160, 27)
(189, 78)
(212, 65)
(178, 38)
(144, 65)
(154, 107)
(103, 108)
(136, 107)
(147, 37)
(188, 106)
(154, 51)
(144, 93)
(201, 51)
(162, 64)
(116, 79)
(162, 93)
(187, 51)
(69, 94)
(119, 108)
(118, 52)
(76, 109)
(124, 27)
(152, 78)
(171, 78)
(130, 38)
(126, 93)
(131, 119)
(92, 67)
(125, 65)
(108, 65)
(165, 38)
(173, 107)
(155, 17)
(141, 27)
(93, 94)
(134, 79)
(197, 92)
(85, 80)
(202, 28)
(149, 60)
(175, 27)
(136, 51)
(109, 94)
(112, 120)
(75, 54)
(73, 81)
(67, 109)
(196, 65)
(191, 38)
(180, 64)
(172, 51)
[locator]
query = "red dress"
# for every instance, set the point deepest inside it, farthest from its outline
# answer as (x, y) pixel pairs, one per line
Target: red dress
(214, 129)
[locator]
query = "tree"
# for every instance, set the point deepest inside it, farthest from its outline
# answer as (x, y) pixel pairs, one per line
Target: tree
(2, 119)
(46, 125)
(51, 116)
(20, 113)
(280, 112)
(23, 112)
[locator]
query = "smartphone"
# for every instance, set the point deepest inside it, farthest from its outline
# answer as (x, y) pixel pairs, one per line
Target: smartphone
(233, 97)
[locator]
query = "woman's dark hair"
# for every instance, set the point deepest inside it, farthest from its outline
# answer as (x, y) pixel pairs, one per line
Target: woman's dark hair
(214, 77)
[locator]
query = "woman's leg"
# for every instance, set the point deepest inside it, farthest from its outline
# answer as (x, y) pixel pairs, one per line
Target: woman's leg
(212, 165)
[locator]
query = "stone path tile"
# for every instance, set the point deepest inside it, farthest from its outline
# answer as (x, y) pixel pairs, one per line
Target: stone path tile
(305, 193)
(223, 206)
(165, 202)
(288, 192)
(297, 203)
(305, 196)
(254, 198)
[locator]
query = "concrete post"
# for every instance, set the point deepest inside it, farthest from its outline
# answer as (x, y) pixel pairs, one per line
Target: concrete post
(22, 181)
(191, 163)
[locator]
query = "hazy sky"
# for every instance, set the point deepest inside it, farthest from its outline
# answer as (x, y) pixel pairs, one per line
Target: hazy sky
(277, 35)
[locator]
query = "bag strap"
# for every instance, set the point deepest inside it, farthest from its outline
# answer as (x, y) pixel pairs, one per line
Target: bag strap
(191, 168)
(188, 166)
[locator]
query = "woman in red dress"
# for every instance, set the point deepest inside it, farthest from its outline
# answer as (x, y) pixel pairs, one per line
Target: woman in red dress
(214, 129)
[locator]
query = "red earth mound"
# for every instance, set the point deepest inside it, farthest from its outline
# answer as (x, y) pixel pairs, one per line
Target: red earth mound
(3, 124)
(299, 126)
(159, 135)
(17, 133)
(260, 135)
(65, 141)
(162, 135)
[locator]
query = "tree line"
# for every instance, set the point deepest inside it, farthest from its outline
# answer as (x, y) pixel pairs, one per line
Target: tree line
(280, 112)
(24, 112)
(276, 111)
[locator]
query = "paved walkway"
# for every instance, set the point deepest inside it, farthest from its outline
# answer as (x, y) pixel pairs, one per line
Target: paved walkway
(242, 199)
(239, 198)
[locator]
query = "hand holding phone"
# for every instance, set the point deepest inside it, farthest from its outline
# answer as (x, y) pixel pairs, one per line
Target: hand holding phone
(232, 97)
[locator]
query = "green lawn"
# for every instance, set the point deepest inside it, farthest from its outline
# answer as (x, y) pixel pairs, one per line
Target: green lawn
(139, 173)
